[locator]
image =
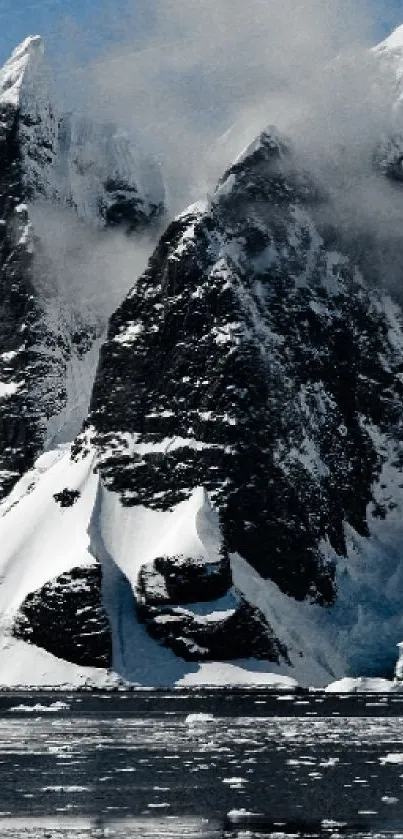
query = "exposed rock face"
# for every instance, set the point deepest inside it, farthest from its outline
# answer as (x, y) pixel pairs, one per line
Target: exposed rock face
(47, 347)
(181, 580)
(67, 619)
(194, 610)
(19, 325)
(254, 362)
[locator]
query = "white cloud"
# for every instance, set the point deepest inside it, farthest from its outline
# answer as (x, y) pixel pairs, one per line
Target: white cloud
(207, 64)
(204, 76)
(85, 269)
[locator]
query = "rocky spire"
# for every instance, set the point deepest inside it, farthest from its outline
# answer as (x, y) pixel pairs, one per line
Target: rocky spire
(18, 74)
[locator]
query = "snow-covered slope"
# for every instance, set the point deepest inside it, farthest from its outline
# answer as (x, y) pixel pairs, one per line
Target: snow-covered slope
(63, 167)
(390, 51)
(44, 545)
(53, 631)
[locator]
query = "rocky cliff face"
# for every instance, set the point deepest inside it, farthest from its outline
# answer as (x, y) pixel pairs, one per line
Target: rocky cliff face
(252, 360)
(47, 343)
(66, 618)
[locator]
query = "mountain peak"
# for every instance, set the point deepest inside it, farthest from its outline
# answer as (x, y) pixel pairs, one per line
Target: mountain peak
(28, 47)
(22, 66)
(394, 41)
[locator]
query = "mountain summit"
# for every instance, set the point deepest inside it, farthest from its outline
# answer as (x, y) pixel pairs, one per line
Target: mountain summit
(24, 66)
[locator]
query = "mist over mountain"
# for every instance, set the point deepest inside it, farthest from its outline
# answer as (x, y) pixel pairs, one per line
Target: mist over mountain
(67, 187)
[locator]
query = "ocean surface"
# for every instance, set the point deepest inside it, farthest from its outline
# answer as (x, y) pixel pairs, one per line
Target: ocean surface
(200, 764)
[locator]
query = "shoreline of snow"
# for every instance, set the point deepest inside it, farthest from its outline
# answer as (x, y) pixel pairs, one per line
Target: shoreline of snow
(363, 684)
(26, 668)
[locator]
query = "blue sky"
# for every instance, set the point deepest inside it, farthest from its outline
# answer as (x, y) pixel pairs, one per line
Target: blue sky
(92, 22)
(97, 22)
(388, 14)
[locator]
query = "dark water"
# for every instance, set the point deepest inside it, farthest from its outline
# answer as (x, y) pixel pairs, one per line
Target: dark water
(244, 764)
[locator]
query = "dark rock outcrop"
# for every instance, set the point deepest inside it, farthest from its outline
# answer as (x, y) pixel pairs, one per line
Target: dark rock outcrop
(66, 617)
(171, 593)
(184, 580)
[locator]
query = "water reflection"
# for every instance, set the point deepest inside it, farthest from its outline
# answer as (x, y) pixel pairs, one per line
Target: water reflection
(174, 767)
(261, 827)
(233, 826)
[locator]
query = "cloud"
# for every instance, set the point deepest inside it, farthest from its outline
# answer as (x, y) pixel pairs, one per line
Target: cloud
(205, 65)
(195, 80)
(82, 269)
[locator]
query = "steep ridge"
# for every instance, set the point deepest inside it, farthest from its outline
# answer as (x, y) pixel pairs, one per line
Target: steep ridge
(388, 56)
(48, 348)
(221, 366)
(253, 361)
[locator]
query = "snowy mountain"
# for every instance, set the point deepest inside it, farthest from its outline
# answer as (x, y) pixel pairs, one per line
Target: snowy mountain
(232, 508)
(389, 58)
(89, 178)
(390, 52)
(251, 360)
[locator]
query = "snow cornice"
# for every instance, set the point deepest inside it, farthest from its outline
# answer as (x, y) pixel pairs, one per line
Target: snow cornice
(22, 66)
